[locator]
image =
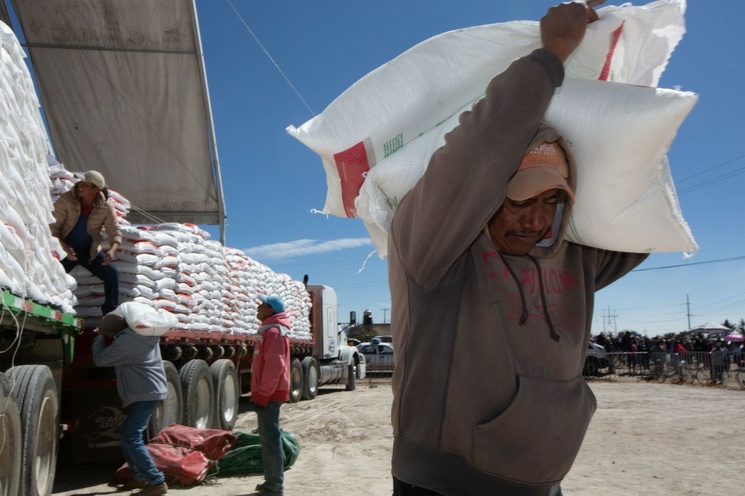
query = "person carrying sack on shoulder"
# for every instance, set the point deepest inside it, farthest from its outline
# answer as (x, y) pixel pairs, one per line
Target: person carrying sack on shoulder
(141, 384)
(485, 285)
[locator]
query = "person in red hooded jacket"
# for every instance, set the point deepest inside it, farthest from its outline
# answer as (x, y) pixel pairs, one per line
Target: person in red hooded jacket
(270, 387)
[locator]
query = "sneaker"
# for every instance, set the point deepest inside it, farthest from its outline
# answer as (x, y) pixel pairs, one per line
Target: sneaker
(133, 484)
(264, 489)
(153, 490)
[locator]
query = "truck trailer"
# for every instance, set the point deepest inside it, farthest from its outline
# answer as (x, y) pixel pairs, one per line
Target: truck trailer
(51, 390)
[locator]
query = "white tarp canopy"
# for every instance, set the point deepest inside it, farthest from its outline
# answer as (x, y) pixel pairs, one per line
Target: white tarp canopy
(124, 91)
(710, 329)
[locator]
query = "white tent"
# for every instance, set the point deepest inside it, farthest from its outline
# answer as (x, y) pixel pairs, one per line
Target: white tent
(124, 91)
(710, 329)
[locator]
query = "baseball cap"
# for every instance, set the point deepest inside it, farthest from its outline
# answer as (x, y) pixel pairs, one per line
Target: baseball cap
(94, 177)
(274, 301)
(543, 168)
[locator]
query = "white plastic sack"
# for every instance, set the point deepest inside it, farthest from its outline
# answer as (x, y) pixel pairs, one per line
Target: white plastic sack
(400, 111)
(146, 320)
(623, 174)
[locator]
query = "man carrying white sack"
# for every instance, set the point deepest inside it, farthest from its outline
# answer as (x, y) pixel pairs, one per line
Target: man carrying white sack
(492, 306)
(141, 383)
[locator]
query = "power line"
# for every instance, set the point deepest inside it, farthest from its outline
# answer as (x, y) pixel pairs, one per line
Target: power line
(711, 168)
(713, 180)
(266, 52)
(691, 264)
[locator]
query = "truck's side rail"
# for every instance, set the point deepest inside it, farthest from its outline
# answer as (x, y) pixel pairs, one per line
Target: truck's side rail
(187, 344)
(23, 314)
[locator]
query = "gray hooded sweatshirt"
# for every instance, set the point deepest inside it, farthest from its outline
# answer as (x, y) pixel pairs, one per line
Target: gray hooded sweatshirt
(137, 363)
(489, 397)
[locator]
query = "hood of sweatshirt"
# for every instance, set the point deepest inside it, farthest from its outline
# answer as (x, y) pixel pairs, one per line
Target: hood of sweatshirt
(280, 320)
(550, 246)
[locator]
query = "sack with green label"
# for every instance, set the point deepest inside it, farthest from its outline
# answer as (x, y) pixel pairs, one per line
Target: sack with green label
(376, 138)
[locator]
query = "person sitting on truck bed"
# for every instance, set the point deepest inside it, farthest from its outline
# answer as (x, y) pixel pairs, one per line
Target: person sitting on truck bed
(492, 305)
(141, 384)
(270, 387)
(79, 216)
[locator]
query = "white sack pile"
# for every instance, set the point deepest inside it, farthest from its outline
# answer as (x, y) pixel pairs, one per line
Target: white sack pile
(177, 268)
(376, 138)
(173, 267)
(209, 288)
(248, 278)
(27, 264)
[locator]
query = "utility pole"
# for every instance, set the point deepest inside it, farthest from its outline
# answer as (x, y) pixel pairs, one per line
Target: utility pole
(385, 309)
(688, 311)
(609, 323)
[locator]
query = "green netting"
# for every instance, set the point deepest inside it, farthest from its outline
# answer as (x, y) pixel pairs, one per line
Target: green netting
(244, 458)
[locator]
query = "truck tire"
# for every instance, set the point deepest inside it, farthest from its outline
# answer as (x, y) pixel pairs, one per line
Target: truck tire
(199, 393)
(310, 374)
(296, 380)
(38, 403)
(225, 381)
(351, 372)
(11, 446)
(170, 410)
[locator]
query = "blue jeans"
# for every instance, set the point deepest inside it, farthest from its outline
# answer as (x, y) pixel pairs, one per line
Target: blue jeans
(272, 452)
(107, 273)
(133, 447)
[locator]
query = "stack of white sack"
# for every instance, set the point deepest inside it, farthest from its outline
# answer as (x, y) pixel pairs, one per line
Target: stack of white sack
(376, 138)
(249, 278)
(209, 288)
(148, 263)
(28, 267)
(139, 262)
(199, 279)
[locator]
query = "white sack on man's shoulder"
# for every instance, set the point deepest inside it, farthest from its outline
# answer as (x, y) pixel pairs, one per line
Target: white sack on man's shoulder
(146, 320)
(375, 139)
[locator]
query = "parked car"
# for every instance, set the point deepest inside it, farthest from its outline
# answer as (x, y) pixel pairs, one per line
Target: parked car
(382, 339)
(379, 356)
(596, 359)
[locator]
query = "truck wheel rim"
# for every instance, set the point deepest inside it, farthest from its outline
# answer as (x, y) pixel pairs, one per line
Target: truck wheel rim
(46, 429)
(203, 404)
(229, 398)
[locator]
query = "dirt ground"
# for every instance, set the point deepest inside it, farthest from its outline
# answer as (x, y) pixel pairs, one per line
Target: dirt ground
(660, 439)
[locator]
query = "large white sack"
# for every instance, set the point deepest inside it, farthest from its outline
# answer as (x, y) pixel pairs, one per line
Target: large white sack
(376, 138)
(146, 320)
(393, 105)
(625, 198)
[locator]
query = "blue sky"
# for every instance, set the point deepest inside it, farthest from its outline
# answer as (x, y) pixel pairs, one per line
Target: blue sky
(274, 64)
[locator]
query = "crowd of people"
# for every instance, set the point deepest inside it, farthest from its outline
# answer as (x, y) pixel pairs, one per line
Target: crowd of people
(640, 353)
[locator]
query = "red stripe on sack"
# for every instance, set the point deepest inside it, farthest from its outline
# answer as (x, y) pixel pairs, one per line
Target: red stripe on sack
(609, 58)
(352, 165)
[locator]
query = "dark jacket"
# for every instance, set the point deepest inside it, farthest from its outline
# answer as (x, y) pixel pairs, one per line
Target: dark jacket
(488, 390)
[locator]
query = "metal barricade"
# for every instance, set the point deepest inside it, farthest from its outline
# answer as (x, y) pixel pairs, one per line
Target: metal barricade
(691, 367)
